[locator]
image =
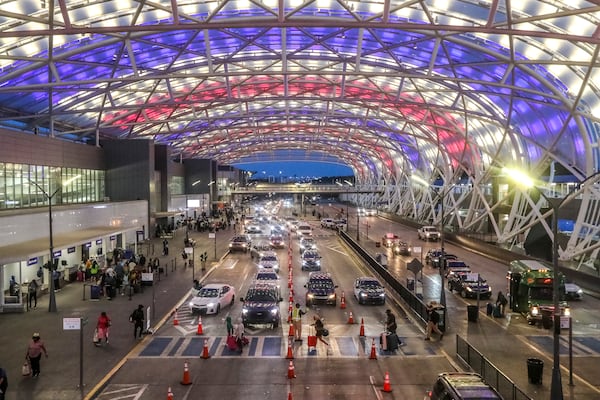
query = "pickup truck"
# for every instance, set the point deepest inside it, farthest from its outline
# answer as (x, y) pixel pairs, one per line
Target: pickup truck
(428, 233)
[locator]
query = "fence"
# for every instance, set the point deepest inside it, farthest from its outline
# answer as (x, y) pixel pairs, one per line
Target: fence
(492, 375)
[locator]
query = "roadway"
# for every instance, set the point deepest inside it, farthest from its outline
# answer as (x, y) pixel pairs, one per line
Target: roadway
(146, 369)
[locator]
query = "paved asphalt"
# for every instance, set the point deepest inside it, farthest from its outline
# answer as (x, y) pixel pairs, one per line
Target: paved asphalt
(62, 370)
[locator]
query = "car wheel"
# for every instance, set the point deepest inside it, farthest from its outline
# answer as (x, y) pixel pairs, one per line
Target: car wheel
(308, 303)
(275, 324)
(218, 309)
(463, 294)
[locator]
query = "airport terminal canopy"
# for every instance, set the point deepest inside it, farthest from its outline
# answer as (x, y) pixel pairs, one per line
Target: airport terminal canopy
(439, 89)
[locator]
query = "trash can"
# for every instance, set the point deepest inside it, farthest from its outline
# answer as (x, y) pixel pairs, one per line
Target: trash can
(94, 292)
(472, 313)
(535, 370)
(410, 284)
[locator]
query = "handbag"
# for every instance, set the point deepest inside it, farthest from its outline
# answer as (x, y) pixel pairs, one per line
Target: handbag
(325, 332)
(26, 369)
(96, 339)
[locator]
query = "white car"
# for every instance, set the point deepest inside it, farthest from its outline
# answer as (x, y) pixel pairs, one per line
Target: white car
(269, 260)
(211, 298)
(303, 230)
(573, 291)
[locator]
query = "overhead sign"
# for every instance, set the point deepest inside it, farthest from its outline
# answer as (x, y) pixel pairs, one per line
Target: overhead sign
(88, 244)
(57, 253)
(98, 241)
(211, 235)
(71, 250)
(32, 261)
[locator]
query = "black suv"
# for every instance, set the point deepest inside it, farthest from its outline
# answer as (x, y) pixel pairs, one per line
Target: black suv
(261, 305)
(467, 285)
(320, 289)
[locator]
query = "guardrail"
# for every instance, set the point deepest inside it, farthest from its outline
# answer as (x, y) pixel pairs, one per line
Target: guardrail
(490, 373)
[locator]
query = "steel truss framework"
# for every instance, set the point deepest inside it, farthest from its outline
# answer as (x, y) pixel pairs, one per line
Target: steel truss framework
(447, 91)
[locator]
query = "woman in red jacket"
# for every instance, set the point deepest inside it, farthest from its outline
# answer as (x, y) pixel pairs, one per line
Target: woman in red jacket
(102, 326)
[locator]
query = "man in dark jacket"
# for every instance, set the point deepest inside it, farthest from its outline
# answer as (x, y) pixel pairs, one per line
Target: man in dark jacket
(137, 317)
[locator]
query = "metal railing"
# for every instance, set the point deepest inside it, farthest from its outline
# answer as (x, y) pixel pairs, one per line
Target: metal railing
(490, 373)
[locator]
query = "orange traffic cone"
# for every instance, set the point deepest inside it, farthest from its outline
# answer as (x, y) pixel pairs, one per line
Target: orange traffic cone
(169, 394)
(290, 396)
(175, 319)
(186, 375)
(290, 353)
(291, 371)
(291, 332)
(343, 301)
(291, 299)
(205, 354)
(373, 355)
(350, 318)
(386, 383)
(362, 328)
(199, 331)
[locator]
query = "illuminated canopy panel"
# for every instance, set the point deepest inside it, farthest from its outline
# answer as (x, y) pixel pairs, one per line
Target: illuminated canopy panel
(392, 88)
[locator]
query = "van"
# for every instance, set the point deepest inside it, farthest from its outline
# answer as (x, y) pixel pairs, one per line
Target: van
(461, 386)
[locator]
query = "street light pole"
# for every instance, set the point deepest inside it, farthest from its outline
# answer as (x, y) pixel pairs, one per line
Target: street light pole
(442, 262)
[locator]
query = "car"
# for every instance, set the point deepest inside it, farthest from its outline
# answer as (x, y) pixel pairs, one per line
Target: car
(254, 229)
(341, 225)
(261, 305)
(307, 243)
(469, 284)
(277, 241)
(310, 260)
(461, 386)
(368, 290)
(240, 243)
(269, 276)
(389, 239)
(573, 291)
(258, 248)
(269, 260)
(433, 257)
(320, 289)
(456, 266)
(211, 298)
(428, 232)
(328, 223)
(401, 248)
(370, 212)
(303, 230)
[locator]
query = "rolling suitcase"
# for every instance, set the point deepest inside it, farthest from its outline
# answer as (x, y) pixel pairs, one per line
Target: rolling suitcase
(489, 308)
(393, 342)
(497, 313)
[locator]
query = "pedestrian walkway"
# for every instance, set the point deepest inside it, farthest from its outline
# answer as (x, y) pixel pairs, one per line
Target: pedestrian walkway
(60, 372)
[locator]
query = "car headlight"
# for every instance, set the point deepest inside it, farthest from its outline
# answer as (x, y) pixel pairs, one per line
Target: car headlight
(244, 311)
(363, 294)
(210, 305)
(332, 296)
(579, 292)
(535, 311)
(191, 304)
(274, 311)
(469, 289)
(567, 312)
(381, 294)
(310, 295)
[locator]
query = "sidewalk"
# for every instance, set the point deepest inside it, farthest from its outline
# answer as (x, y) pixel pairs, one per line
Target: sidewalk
(61, 371)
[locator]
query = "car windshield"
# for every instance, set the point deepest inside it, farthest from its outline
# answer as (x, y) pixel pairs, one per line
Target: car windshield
(239, 239)
(260, 295)
(369, 285)
(268, 259)
(208, 292)
(267, 276)
(321, 284)
(309, 255)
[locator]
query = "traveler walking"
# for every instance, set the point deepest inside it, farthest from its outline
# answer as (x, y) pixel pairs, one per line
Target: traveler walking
(239, 335)
(34, 354)
(229, 325)
(137, 317)
(501, 302)
(320, 329)
(32, 292)
(13, 286)
(390, 322)
(433, 319)
(102, 327)
(297, 314)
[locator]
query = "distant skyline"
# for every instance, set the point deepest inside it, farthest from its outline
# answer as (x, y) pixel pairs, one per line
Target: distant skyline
(295, 168)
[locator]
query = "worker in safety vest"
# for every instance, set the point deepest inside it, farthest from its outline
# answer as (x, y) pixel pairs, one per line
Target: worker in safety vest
(297, 314)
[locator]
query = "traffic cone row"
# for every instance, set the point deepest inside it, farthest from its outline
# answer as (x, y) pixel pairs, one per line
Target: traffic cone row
(199, 331)
(175, 319)
(373, 355)
(343, 301)
(290, 352)
(205, 354)
(387, 387)
(186, 374)
(291, 371)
